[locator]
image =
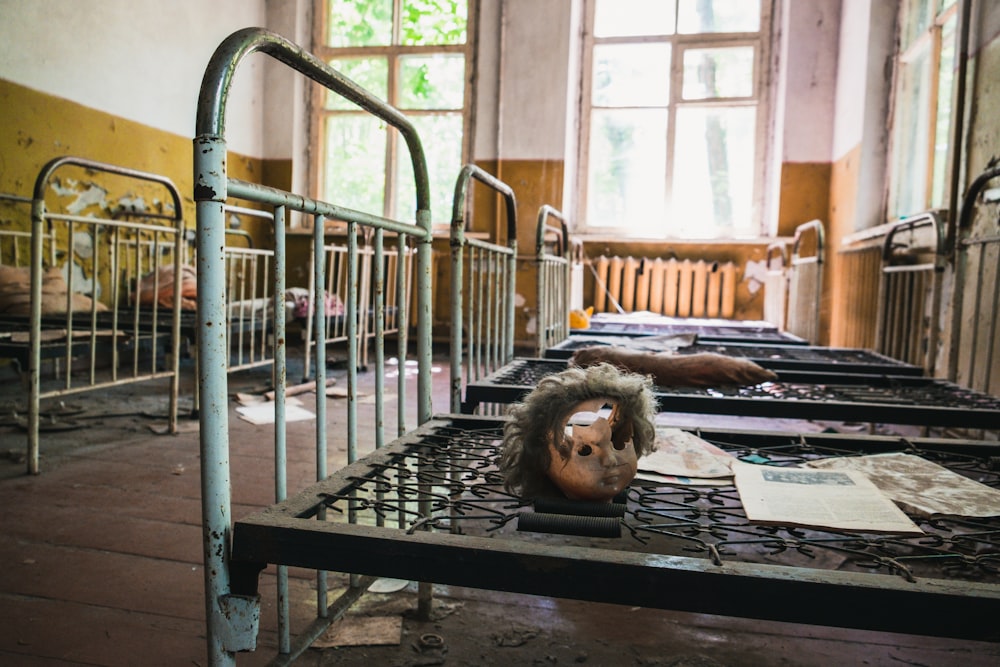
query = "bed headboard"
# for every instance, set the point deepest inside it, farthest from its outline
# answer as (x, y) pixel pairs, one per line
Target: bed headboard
(482, 302)
(553, 278)
(231, 624)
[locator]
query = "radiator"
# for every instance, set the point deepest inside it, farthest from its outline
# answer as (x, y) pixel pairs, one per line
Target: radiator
(679, 288)
(859, 274)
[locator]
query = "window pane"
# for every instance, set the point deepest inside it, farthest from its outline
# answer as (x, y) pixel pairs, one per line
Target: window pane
(724, 72)
(942, 128)
(626, 18)
(625, 183)
(354, 166)
(441, 137)
(432, 81)
(910, 137)
(359, 23)
(713, 180)
(372, 74)
(434, 22)
(631, 75)
(696, 16)
(916, 20)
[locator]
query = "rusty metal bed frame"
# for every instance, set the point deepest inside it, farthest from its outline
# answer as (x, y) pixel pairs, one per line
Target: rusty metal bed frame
(431, 507)
(233, 618)
(797, 394)
(482, 289)
(95, 348)
(776, 357)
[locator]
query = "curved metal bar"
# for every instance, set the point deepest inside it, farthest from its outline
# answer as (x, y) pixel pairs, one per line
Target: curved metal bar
(552, 325)
(211, 117)
(925, 219)
(227, 630)
(800, 232)
(40, 218)
(458, 244)
(969, 200)
(770, 254)
(562, 245)
(469, 172)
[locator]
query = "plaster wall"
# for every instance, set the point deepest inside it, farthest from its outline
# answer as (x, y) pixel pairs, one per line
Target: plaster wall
(139, 60)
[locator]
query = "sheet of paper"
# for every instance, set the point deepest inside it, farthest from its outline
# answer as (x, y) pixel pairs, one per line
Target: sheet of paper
(919, 486)
(263, 413)
(837, 499)
(684, 454)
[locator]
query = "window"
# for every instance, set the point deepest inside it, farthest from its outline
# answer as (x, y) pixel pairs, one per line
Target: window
(921, 123)
(672, 117)
(413, 54)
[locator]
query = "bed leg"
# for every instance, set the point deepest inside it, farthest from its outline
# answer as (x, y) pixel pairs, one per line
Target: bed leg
(244, 577)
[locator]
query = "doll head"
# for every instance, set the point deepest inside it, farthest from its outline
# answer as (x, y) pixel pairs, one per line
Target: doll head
(579, 434)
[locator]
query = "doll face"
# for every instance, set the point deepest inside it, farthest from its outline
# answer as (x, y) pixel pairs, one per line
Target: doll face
(602, 460)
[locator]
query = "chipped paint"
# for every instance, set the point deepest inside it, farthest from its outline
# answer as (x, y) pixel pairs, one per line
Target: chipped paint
(92, 196)
(754, 275)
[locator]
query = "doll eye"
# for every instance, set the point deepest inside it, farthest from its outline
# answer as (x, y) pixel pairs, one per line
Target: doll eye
(585, 450)
(619, 445)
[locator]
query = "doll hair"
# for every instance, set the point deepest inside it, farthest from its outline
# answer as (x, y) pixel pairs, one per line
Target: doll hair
(540, 417)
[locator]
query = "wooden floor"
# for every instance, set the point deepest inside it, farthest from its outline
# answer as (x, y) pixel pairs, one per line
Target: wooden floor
(102, 565)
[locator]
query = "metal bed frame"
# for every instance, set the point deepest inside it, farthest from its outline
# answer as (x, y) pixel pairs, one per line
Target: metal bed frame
(554, 278)
(797, 394)
(139, 343)
(909, 299)
(233, 618)
(776, 357)
(394, 316)
(482, 298)
(977, 294)
(431, 507)
(805, 282)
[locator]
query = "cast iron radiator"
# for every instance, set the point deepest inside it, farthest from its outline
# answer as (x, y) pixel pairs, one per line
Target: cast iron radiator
(431, 507)
(886, 399)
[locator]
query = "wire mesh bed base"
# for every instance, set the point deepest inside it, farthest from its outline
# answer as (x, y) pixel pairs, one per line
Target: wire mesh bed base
(887, 399)
(708, 330)
(775, 357)
(431, 507)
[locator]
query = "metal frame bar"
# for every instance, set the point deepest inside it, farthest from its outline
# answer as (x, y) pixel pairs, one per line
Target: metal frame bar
(805, 283)
(909, 297)
(553, 280)
(776, 357)
(722, 578)
(796, 395)
(129, 330)
(232, 619)
(486, 319)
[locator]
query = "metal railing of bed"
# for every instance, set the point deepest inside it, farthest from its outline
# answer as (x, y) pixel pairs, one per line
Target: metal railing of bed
(232, 618)
(553, 278)
(974, 333)
(909, 297)
(120, 252)
(805, 281)
(482, 300)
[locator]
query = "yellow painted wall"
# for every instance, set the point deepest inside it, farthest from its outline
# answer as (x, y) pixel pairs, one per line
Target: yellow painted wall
(37, 127)
(841, 309)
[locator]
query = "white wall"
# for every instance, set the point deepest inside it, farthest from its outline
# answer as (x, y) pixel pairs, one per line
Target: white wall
(811, 30)
(534, 71)
(142, 60)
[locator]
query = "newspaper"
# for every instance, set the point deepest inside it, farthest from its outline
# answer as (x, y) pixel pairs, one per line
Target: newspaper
(683, 458)
(807, 497)
(919, 486)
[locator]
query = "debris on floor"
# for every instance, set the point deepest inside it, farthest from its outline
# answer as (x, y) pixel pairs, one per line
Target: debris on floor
(362, 631)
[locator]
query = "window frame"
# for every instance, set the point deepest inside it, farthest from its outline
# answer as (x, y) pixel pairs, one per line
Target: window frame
(393, 53)
(928, 39)
(679, 43)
